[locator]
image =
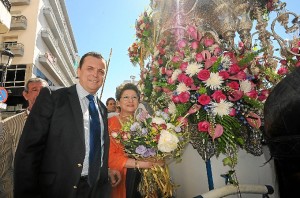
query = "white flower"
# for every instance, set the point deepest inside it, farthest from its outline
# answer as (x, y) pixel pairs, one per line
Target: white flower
(181, 87)
(156, 52)
(172, 108)
(167, 141)
(142, 26)
(214, 81)
(193, 69)
(245, 86)
(175, 74)
(114, 134)
(158, 120)
(222, 108)
(226, 62)
(170, 126)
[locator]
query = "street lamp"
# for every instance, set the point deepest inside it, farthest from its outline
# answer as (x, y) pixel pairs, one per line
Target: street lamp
(6, 59)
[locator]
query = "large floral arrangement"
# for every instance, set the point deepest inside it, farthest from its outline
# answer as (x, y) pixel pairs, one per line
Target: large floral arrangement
(194, 70)
(158, 137)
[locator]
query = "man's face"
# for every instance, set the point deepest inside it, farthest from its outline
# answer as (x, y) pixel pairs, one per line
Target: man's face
(111, 106)
(34, 89)
(91, 74)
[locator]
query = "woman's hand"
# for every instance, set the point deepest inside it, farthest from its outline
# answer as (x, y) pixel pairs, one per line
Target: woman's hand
(114, 176)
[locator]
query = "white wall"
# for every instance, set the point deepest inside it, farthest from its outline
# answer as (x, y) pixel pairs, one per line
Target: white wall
(190, 174)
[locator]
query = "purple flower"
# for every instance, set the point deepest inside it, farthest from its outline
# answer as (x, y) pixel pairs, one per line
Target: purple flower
(141, 149)
(135, 126)
(177, 129)
(149, 152)
(144, 131)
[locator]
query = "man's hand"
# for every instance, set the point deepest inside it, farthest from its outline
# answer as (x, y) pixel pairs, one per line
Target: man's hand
(114, 176)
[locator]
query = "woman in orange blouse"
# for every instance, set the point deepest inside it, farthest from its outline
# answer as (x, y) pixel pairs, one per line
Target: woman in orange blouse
(128, 99)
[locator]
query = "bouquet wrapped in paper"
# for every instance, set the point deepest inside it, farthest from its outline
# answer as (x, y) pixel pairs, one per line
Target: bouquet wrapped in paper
(158, 137)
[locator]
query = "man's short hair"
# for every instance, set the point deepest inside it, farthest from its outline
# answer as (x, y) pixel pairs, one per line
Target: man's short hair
(93, 54)
(108, 99)
(44, 83)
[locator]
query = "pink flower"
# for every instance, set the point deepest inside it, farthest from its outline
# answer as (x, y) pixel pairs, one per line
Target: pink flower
(203, 126)
(208, 42)
(194, 109)
(210, 62)
(204, 99)
(235, 95)
(283, 62)
(181, 77)
(234, 69)
(192, 31)
(218, 96)
(175, 59)
(253, 120)
(232, 112)
(282, 71)
(163, 70)
(184, 97)
(160, 61)
(234, 85)
(188, 81)
(204, 74)
(217, 51)
(169, 72)
(252, 94)
(224, 74)
(170, 81)
(216, 132)
(199, 57)
(175, 99)
(183, 66)
(183, 120)
(194, 45)
(182, 43)
(297, 64)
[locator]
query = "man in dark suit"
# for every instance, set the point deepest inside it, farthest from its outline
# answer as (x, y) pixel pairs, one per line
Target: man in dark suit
(53, 155)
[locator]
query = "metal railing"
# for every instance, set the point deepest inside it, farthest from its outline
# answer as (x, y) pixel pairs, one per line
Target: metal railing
(6, 4)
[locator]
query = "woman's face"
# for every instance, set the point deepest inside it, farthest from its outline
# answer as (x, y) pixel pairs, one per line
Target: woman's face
(129, 102)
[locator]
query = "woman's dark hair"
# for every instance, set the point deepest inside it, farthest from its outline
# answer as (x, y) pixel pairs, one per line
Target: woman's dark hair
(93, 54)
(282, 132)
(109, 99)
(129, 86)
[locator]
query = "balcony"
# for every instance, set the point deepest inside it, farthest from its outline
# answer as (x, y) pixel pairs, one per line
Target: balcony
(18, 23)
(19, 2)
(16, 48)
(5, 16)
(50, 64)
(49, 39)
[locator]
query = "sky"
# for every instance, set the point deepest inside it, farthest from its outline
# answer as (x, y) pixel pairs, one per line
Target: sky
(102, 25)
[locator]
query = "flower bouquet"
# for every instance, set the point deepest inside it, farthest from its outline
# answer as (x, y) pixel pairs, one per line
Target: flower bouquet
(154, 138)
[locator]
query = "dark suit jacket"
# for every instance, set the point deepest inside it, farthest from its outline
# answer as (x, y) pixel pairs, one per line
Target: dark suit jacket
(51, 150)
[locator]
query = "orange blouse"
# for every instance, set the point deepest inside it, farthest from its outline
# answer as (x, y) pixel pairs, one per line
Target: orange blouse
(117, 158)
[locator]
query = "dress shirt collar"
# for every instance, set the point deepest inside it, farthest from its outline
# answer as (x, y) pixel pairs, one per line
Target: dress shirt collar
(82, 93)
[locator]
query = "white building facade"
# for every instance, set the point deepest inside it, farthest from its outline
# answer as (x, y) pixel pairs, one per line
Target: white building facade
(43, 44)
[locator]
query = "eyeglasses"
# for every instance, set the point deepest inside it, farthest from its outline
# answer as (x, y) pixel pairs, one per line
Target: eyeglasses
(127, 98)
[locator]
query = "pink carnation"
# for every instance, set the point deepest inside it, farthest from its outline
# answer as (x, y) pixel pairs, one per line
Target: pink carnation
(224, 75)
(218, 96)
(184, 97)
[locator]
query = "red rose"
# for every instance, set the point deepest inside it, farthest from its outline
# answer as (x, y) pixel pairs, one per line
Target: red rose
(224, 75)
(218, 96)
(188, 81)
(204, 74)
(204, 99)
(234, 85)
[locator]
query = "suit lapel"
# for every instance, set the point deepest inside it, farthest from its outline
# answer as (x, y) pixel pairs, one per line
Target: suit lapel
(77, 112)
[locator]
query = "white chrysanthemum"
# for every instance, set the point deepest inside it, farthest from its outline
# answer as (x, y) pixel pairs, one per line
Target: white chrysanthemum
(175, 74)
(167, 141)
(222, 108)
(172, 108)
(192, 69)
(214, 81)
(158, 120)
(245, 86)
(181, 87)
(226, 62)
